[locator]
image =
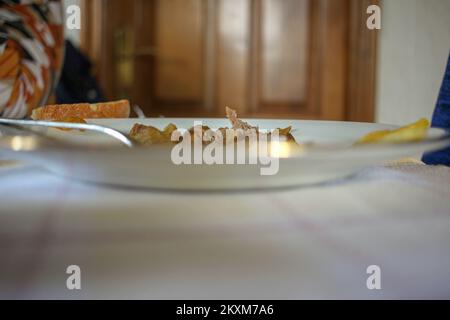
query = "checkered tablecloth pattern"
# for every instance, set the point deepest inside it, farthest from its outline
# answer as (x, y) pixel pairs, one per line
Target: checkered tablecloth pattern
(310, 242)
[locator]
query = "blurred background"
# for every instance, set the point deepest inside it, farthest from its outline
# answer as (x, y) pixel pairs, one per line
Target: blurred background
(309, 59)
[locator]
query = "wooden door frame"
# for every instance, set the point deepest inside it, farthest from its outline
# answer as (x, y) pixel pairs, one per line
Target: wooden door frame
(362, 63)
(350, 85)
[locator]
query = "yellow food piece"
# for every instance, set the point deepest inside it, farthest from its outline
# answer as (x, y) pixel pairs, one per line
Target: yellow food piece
(410, 133)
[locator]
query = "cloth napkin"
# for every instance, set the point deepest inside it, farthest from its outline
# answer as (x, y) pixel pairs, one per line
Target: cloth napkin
(308, 242)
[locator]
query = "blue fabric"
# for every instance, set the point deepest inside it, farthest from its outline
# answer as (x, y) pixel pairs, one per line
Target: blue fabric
(441, 119)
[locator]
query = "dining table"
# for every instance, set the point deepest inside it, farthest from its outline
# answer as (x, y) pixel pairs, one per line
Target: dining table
(321, 241)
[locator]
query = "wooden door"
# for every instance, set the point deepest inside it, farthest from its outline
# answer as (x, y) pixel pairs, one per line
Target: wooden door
(277, 58)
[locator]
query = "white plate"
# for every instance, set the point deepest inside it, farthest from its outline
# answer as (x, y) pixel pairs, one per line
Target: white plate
(331, 156)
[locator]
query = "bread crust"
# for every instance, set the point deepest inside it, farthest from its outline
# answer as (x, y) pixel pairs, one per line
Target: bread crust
(114, 109)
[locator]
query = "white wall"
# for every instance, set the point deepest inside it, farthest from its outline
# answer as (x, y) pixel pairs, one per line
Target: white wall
(413, 51)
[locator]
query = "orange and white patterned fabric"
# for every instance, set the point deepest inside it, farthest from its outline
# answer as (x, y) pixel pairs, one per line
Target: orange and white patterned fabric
(31, 54)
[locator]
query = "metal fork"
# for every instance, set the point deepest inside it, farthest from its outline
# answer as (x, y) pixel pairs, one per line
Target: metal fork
(76, 126)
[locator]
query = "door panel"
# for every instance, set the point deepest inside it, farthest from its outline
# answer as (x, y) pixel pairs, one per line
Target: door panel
(278, 58)
(284, 51)
(233, 44)
(179, 51)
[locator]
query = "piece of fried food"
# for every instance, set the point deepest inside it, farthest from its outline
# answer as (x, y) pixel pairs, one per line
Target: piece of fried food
(410, 133)
(285, 132)
(200, 132)
(58, 112)
(148, 135)
(236, 122)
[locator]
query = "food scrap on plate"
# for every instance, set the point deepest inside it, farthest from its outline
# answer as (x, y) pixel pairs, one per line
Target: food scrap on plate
(148, 135)
(413, 132)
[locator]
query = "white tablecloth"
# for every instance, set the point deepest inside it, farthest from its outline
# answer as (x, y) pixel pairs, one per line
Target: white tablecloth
(312, 242)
